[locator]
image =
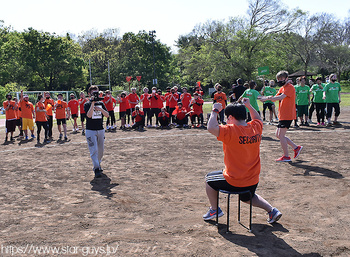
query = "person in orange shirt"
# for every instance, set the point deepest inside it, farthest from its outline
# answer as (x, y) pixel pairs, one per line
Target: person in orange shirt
(153, 98)
(41, 119)
(197, 105)
(167, 95)
(220, 97)
(82, 101)
(139, 118)
(110, 103)
(62, 114)
(49, 103)
(181, 116)
(123, 105)
(133, 99)
(10, 107)
(186, 99)
(173, 99)
(163, 118)
(241, 145)
(18, 117)
(73, 106)
(28, 114)
(286, 114)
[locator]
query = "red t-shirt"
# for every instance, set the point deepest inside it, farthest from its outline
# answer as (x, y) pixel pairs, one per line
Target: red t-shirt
(109, 102)
(145, 102)
(133, 100)
(123, 104)
(153, 100)
(166, 115)
(186, 99)
(161, 100)
(198, 106)
(82, 101)
(167, 98)
(74, 106)
(138, 117)
(40, 116)
(180, 113)
(173, 98)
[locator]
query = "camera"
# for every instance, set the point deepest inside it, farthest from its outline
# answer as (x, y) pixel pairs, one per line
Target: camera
(96, 97)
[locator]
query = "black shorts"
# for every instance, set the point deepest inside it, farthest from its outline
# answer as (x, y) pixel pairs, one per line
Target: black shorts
(284, 124)
(11, 125)
(122, 115)
(19, 122)
(61, 121)
(82, 117)
(128, 112)
(268, 105)
(75, 115)
(217, 181)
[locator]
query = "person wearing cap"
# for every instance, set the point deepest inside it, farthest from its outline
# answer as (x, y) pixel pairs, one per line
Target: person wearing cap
(146, 106)
(181, 116)
(164, 118)
(197, 110)
(41, 119)
(139, 118)
(73, 106)
(62, 114)
(220, 97)
(28, 114)
(10, 107)
(49, 104)
(153, 98)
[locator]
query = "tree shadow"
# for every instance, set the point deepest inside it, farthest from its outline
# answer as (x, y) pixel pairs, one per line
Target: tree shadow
(323, 171)
(263, 241)
(103, 185)
(269, 138)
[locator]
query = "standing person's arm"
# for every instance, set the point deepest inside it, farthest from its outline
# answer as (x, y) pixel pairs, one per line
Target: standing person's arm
(253, 113)
(339, 96)
(213, 125)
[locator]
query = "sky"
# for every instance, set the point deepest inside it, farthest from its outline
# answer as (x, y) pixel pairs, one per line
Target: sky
(169, 18)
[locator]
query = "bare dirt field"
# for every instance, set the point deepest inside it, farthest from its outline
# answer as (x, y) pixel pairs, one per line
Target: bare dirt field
(151, 198)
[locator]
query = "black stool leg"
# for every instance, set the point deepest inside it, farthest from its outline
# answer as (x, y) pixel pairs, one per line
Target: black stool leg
(228, 213)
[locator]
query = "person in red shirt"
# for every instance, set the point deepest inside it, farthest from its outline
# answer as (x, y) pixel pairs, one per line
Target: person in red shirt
(82, 101)
(197, 110)
(146, 105)
(73, 106)
(167, 95)
(161, 99)
(28, 114)
(139, 118)
(62, 114)
(173, 99)
(110, 103)
(163, 118)
(133, 101)
(181, 116)
(123, 105)
(49, 104)
(153, 98)
(18, 117)
(41, 119)
(241, 146)
(11, 120)
(220, 97)
(186, 99)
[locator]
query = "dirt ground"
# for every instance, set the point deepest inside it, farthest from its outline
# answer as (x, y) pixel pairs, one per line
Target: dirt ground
(151, 199)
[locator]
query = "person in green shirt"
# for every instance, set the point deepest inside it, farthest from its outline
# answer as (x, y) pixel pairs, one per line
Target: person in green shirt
(331, 93)
(320, 104)
(303, 100)
(312, 103)
(268, 90)
(253, 95)
(297, 80)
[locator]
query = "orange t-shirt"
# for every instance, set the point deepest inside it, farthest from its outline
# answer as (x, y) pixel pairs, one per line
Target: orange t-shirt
(11, 112)
(286, 109)
(18, 113)
(145, 102)
(52, 103)
(74, 106)
(61, 110)
(40, 116)
(220, 98)
(27, 109)
(82, 101)
(241, 145)
(133, 98)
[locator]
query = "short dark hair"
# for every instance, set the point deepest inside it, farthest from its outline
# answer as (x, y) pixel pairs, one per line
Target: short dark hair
(319, 78)
(236, 110)
(239, 81)
(92, 88)
(39, 97)
(252, 84)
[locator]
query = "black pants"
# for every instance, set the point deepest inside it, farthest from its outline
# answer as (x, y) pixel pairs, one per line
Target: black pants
(200, 118)
(49, 125)
(112, 116)
(139, 124)
(320, 111)
(330, 107)
(154, 111)
(172, 117)
(311, 110)
(42, 124)
(182, 122)
(164, 122)
(147, 112)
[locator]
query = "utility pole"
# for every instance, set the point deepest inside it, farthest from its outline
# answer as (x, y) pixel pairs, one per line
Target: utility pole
(152, 35)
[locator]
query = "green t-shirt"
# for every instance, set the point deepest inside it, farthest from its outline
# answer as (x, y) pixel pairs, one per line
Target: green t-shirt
(332, 90)
(269, 91)
(252, 94)
(318, 93)
(302, 95)
(295, 86)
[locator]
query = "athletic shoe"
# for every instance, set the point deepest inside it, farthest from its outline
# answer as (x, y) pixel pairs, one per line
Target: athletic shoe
(318, 124)
(12, 139)
(97, 173)
(296, 126)
(322, 124)
(297, 151)
(66, 138)
(73, 130)
(284, 159)
(32, 136)
(212, 214)
(336, 123)
(274, 215)
(307, 124)
(6, 139)
(77, 129)
(83, 133)
(60, 137)
(329, 124)
(108, 127)
(26, 138)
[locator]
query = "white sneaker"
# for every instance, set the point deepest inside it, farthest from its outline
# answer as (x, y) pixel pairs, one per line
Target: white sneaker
(108, 127)
(77, 129)
(73, 129)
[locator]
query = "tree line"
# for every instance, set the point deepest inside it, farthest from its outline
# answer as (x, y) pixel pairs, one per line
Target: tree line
(216, 51)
